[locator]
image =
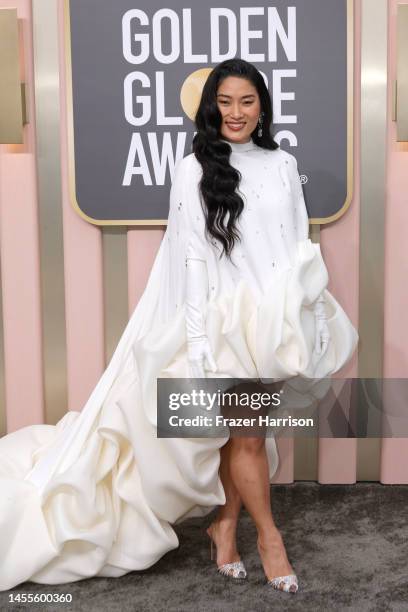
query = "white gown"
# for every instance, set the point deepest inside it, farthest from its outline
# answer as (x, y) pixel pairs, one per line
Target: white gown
(96, 495)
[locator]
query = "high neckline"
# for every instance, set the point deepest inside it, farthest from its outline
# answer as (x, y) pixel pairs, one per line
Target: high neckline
(241, 147)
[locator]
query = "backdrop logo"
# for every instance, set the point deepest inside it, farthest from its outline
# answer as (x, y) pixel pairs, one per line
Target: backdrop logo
(137, 77)
(137, 163)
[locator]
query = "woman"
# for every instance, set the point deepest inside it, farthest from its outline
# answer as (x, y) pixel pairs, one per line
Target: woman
(236, 284)
(235, 114)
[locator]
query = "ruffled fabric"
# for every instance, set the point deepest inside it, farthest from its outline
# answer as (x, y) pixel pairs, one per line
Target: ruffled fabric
(104, 511)
(274, 337)
(84, 498)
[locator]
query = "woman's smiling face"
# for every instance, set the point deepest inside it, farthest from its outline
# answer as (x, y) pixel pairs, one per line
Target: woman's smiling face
(240, 107)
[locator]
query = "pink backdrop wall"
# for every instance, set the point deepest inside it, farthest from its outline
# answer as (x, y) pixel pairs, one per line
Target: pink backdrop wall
(394, 456)
(84, 276)
(19, 254)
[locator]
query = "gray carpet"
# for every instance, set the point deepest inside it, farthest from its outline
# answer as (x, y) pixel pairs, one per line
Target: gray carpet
(347, 544)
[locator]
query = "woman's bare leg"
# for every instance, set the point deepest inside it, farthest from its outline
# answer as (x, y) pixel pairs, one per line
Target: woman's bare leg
(250, 474)
(223, 529)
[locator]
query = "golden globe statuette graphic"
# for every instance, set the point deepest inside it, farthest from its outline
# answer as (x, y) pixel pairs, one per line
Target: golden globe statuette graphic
(191, 89)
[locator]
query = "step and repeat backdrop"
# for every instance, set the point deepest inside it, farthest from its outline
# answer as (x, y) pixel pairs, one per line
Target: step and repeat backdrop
(137, 76)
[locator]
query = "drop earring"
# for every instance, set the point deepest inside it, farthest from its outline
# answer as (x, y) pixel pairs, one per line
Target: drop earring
(260, 121)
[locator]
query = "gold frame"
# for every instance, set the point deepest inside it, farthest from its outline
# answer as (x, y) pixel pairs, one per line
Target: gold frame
(11, 102)
(400, 97)
(147, 222)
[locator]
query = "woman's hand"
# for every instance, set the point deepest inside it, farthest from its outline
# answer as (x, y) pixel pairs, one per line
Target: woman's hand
(200, 354)
(322, 334)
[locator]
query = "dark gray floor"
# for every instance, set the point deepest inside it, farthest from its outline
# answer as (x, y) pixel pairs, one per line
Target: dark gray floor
(348, 545)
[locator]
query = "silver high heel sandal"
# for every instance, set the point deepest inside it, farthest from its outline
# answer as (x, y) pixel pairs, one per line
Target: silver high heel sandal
(234, 570)
(288, 583)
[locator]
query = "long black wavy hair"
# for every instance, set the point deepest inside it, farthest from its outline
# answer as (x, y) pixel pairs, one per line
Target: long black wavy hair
(220, 181)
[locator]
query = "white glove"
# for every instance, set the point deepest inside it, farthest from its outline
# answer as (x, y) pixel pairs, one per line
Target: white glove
(198, 346)
(322, 334)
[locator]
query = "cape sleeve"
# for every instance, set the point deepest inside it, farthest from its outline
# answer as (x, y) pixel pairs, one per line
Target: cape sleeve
(300, 211)
(185, 213)
(310, 266)
(184, 236)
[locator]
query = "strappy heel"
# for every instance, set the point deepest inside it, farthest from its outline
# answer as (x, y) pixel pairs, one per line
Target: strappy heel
(235, 570)
(288, 583)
